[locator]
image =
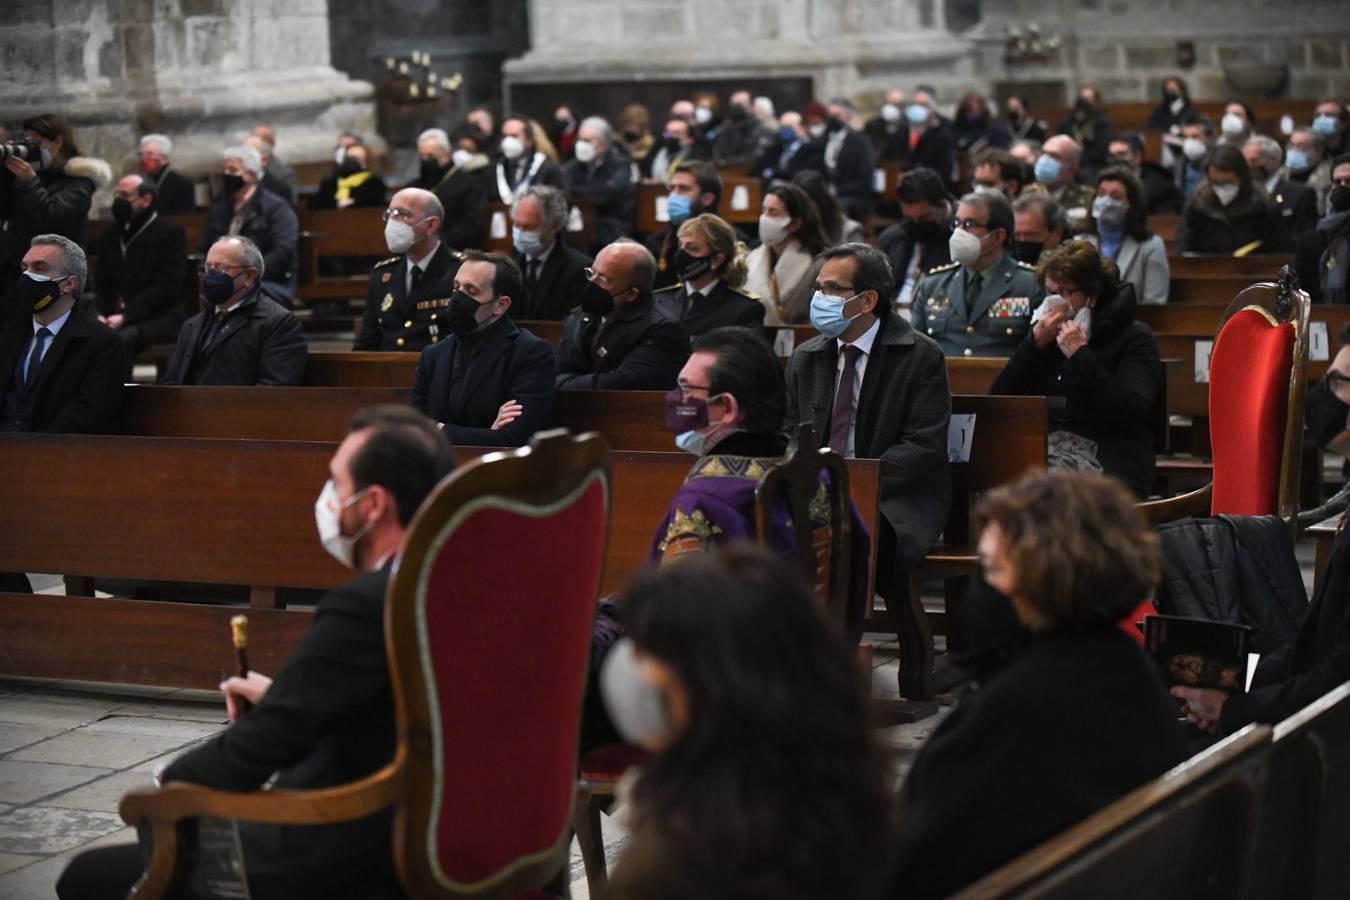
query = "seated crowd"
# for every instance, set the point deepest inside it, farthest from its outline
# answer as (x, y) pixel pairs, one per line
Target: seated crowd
(764, 779)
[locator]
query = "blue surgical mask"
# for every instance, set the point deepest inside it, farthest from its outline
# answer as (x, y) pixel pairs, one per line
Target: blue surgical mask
(527, 243)
(917, 113)
(827, 314)
(787, 135)
(678, 208)
(1047, 169)
(1324, 125)
(691, 442)
(1296, 160)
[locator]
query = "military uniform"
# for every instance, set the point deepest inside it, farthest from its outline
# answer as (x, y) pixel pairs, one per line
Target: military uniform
(721, 305)
(1076, 201)
(395, 319)
(991, 323)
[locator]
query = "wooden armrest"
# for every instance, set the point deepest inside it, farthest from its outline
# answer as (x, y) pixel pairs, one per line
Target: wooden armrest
(1194, 503)
(163, 808)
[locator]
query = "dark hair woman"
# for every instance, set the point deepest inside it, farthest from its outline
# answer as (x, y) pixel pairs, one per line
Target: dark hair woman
(1086, 346)
(782, 268)
(1117, 225)
(1076, 720)
(766, 782)
(1229, 212)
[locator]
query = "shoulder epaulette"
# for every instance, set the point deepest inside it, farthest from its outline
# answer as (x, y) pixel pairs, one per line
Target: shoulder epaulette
(749, 295)
(1026, 265)
(670, 287)
(387, 262)
(942, 268)
(458, 255)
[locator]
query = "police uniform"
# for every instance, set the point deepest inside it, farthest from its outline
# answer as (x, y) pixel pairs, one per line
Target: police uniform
(991, 323)
(395, 319)
(720, 305)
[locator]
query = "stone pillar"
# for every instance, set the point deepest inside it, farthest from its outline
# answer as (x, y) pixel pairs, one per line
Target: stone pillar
(201, 71)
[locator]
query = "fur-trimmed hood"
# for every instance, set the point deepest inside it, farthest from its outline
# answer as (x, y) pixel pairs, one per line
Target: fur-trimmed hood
(96, 170)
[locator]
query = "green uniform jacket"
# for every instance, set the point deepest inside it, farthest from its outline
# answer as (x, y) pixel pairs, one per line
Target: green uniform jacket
(992, 324)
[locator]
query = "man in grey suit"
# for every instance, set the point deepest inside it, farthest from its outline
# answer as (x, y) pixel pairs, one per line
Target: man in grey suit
(875, 388)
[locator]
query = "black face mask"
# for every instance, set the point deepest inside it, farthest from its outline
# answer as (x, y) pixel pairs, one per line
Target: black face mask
(1324, 414)
(833, 124)
(1338, 199)
(1171, 96)
(122, 211)
(1014, 116)
(233, 184)
(430, 169)
(632, 136)
(596, 300)
(1082, 106)
(1028, 251)
(35, 296)
(690, 267)
(926, 232)
(463, 313)
(672, 145)
(350, 166)
(737, 113)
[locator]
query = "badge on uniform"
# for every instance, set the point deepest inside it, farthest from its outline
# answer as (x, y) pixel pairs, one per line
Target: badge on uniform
(938, 304)
(386, 276)
(601, 352)
(388, 303)
(1011, 308)
(433, 329)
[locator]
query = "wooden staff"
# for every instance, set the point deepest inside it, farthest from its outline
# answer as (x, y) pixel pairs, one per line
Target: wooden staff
(239, 631)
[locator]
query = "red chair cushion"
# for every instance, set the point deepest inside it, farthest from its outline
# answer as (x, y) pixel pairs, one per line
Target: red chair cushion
(506, 605)
(1248, 402)
(608, 763)
(1130, 624)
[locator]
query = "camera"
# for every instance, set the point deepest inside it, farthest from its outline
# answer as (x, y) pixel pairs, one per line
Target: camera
(27, 150)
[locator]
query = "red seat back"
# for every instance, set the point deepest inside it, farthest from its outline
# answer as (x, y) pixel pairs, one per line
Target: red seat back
(489, 626)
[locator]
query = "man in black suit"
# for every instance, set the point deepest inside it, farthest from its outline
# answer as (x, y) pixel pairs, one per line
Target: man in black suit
(520, 164)
(60, 368)
(242, 336)
(555, 273)
(1296, 203)
(875, 388)
(409, 294)
(926, 139)
(919, 241)
(328, 716)
(269, 180)
(246, 209)
(140, 270)
(848, 162)
(489, 383)
(174, 194)
(600, 172)
(617, 339)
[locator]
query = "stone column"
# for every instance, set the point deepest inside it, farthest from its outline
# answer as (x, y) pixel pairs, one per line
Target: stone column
(201, 71)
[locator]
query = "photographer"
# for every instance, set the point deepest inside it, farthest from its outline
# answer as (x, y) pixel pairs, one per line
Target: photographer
(48, 193)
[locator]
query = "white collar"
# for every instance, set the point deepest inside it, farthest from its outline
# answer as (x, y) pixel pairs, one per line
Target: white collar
(1272, 181)
(426, 260)
(544, 254)
(706, 290)
(865, 342)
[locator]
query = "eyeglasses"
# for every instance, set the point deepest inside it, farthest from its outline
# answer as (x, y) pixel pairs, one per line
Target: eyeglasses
(968, 224)
(842, 292)
(202, 270)
(401, 214)
(602, 280)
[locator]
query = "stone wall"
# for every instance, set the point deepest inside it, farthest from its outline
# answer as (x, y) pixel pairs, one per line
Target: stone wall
(202, 71)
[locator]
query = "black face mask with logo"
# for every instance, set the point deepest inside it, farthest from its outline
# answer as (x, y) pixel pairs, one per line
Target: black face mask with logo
(34, 295)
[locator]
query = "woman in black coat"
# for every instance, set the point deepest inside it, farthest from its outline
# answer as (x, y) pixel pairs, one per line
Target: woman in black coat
(1076, 720)
(350, 184)
(1089, 349)
(1229, 211)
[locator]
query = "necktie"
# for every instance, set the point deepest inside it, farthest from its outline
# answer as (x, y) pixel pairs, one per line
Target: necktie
(534, 275)
(416, 277)
(35, 357)
(843, 400)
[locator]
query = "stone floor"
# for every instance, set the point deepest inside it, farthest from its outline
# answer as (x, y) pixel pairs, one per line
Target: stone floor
(68, 751)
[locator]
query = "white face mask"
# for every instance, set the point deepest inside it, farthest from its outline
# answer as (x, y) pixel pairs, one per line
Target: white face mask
(772, 231)
(635, 705)
(1232, 124)
(398, 236)
(584, 151)
(702, 115)
(890, 113)
(1082, 318)
(328, 519)
(512, 147)
(1226, 193)
(816, 130)
(1194, 148)
(964, 246)
(461, 157)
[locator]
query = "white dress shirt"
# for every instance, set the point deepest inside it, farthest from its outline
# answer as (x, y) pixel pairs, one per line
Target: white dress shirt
(55, 328)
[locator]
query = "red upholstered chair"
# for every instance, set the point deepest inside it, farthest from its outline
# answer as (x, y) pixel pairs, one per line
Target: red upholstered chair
(483, 776)
(1257, 373)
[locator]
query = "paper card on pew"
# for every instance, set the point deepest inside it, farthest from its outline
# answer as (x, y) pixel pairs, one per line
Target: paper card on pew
(878, 181)
(662, 207)
(1202, 351)
(960, 436)
(740, 199)
(784, 339)
(1319, 345)
(498, 229)
(574, 222)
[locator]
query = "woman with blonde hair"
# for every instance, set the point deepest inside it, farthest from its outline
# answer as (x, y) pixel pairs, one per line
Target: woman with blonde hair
(711, 266)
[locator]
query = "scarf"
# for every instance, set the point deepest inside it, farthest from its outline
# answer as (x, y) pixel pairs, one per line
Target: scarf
(349, 183)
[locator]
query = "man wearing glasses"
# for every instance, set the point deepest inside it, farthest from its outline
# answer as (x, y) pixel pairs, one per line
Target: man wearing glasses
(981, 303)
(242, 336)
(617, 339)
(409, 293)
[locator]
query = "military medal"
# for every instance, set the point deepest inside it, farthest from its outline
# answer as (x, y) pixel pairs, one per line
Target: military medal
(388, 303)
(386, 276)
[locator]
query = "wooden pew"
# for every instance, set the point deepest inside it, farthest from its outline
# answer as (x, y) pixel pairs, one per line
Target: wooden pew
(213, 511)
(1185, 265)
(1212, 289)
(1184, 834)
